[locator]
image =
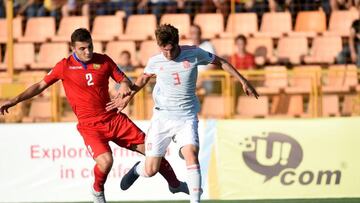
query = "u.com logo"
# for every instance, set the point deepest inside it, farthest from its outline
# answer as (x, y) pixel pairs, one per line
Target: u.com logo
(277, 154)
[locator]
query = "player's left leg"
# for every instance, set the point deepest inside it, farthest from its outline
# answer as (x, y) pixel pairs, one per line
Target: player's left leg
(190, 154)
(188, 140)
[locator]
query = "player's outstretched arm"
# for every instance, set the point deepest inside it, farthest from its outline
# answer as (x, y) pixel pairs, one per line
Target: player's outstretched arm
(30, 92)
(120, 103)
(247, 87)
(125, 88)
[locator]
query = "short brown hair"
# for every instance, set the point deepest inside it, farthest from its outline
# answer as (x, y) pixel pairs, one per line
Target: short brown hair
(167, 34)
(80, 35)
(241, 37)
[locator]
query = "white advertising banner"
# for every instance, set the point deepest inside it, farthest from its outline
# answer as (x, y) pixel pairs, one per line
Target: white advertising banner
(48, 162)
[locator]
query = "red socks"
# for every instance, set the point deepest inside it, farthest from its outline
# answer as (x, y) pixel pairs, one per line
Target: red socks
(168, 173)
(100, 179)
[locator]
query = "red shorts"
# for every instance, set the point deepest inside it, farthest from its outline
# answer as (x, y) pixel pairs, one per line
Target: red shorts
(117, 128)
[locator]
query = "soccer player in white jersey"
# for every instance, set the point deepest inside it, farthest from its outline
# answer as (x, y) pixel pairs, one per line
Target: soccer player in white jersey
(176, 106)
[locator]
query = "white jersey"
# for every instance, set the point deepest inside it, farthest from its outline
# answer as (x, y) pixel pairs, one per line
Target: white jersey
(174, 93)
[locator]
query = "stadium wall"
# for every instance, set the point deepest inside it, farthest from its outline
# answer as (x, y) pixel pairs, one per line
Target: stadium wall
(240, 159)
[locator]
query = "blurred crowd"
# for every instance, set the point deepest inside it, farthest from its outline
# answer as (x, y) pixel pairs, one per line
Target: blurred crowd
(58, 8)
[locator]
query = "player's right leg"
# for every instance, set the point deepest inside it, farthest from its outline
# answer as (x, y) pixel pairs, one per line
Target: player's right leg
(157, 142)
(99, 148)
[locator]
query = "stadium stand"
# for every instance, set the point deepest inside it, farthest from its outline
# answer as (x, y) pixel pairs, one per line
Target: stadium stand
(50, 54)
(241, 23)
(17, 29)
(340, 23)
(147, 49)
(114, 48)
(68, 25)
(135, 29)
(292, 50)
(107, 28)
(324, 50)
(275, 25)
(295, 73)
(249, 108)
(39, 30)
(181, 21)
(211, 24)
(24, 55)
(309, 23)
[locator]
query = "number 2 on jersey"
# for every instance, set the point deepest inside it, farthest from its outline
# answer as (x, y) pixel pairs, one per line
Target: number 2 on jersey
(89, 79)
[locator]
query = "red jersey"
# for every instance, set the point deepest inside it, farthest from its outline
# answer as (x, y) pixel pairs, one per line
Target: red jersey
(242, 62)
(86, 85)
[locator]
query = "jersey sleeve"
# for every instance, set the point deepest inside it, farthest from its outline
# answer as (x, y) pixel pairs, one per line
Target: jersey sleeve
(149, 68)
(56, 73)
(204, 57)
(116, 73)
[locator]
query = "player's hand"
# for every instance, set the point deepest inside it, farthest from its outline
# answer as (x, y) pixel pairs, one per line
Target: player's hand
(118, 103)
(249, 90)
(4, 108)
(124, 90)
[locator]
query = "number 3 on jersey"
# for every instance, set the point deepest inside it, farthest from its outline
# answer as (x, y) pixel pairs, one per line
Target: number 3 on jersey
(176, 77)
(89, 79)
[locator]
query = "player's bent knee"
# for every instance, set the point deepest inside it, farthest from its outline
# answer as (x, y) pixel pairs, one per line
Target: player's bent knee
(104, 162)
(150, 172)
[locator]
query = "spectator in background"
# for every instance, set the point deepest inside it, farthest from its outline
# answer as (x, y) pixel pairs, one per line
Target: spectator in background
(51, 8)
(125, 62)
(95, 7)
(158, 7)
(241, 59)
(129, 7)
(2, 8)
(73, 7)
(27, 8)
(352, 51)
(341, 4)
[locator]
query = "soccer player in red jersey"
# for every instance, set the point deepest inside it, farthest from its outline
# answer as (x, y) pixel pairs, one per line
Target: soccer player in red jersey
(85, 77)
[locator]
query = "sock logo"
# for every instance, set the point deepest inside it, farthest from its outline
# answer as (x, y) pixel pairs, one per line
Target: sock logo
(270, 154)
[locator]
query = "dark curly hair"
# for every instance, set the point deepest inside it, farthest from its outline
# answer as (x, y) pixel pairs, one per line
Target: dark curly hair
(80, 35)
(167, 34)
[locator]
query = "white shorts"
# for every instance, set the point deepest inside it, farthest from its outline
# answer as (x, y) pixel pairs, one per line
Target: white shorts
(163, 131)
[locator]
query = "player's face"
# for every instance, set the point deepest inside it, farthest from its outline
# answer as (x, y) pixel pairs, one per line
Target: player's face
(83, 50)
(170, 51)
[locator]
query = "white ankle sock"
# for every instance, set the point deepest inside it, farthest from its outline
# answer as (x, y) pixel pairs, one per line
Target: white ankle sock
(194, 183)
(140, 169)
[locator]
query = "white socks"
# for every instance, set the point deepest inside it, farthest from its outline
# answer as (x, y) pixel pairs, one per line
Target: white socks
(194, 183)
(140, 169)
